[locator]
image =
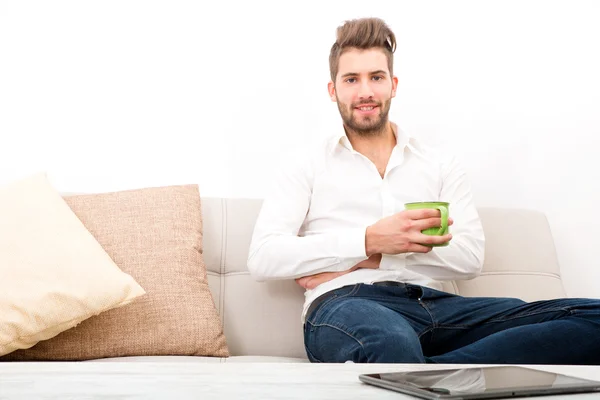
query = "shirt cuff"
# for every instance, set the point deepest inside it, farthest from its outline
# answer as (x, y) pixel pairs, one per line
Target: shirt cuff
(393, 262)
(351, 244)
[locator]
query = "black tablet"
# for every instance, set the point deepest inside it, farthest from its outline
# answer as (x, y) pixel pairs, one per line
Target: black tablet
(495, 382)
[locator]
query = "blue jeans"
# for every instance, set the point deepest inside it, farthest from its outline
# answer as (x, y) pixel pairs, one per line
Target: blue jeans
(413, 324)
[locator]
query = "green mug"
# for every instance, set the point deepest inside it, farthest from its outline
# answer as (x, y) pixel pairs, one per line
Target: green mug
(438, 205)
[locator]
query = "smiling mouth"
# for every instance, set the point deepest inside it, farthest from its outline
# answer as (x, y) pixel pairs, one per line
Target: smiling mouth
(367, 109)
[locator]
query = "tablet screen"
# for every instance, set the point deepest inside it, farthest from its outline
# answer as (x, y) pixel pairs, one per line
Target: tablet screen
(484, 381)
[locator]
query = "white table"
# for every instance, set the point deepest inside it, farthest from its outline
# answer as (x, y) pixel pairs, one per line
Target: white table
(165, 380)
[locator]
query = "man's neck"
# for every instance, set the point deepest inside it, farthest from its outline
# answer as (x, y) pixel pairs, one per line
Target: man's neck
(377, 142)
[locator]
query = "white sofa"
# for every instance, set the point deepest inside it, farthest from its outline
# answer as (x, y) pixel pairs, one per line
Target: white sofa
(261, 320)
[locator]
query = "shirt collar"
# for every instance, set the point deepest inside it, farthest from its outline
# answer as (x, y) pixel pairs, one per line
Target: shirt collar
(403, 139)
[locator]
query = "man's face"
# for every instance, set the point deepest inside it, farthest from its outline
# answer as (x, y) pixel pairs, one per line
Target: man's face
(363, 90)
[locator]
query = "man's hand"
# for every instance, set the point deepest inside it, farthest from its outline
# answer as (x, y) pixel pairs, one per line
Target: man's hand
(312, 281)
(401, 232)
(398, 233)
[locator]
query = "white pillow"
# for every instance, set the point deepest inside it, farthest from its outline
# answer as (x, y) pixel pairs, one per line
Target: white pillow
(53, 273)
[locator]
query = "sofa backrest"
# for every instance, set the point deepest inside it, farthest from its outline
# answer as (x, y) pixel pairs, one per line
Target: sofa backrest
(263, 318)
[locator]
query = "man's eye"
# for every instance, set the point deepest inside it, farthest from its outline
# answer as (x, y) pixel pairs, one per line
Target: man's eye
(351, 80)
(377, 78)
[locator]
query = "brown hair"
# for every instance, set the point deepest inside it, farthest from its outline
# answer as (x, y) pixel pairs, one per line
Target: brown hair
(363, 33)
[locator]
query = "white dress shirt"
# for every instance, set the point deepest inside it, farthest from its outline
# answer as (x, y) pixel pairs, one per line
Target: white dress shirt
(315, 217)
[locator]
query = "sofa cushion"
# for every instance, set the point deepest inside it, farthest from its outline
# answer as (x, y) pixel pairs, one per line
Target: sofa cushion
(154, 234)
(54, 273)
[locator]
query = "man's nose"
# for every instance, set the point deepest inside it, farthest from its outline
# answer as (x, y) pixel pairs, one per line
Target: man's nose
(365, 91)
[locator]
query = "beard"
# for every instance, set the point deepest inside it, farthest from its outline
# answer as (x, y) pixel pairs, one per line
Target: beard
(365, 126)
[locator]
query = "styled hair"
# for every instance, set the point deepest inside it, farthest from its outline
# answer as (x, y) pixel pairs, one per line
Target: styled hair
(363, 33)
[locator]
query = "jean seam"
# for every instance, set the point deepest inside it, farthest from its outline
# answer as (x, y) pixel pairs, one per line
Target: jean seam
(318, 313)
(425, 331)
(319, 310)
(500, 320)
(337, 328)
(380, 298)
(434, 323)
(529, 314)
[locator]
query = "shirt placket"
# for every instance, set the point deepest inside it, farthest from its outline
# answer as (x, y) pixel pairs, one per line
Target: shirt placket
(388, 201)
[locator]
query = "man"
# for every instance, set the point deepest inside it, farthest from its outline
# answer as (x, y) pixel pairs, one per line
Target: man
(336, 223)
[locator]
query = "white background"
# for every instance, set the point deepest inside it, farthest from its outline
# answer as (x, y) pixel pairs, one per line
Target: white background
(110, 95)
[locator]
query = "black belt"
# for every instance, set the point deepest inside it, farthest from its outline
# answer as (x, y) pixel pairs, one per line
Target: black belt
(325, 296)
(389, 283)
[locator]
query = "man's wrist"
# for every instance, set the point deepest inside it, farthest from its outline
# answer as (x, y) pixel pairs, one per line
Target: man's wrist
(369, 247)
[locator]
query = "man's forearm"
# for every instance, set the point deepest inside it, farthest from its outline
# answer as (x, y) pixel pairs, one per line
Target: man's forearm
(462, 259)
(312, 281)
(289, 257)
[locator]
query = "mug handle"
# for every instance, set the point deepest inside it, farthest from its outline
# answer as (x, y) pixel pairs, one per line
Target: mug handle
(444, 213)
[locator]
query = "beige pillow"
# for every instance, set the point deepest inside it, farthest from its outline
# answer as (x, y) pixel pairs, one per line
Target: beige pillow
(54, 274)
(155, 235)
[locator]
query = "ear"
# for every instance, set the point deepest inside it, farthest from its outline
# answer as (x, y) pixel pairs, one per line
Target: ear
(331, 90)
(394, 85)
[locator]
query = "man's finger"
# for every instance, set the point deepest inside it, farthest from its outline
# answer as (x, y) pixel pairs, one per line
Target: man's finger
(304, 281)
(312, 281)
(418, 248)
(322, 278)
(422, 213)
(430, 239)
(421, 224)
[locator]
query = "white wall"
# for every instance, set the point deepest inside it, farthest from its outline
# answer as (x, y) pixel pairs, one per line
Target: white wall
(109, 95)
